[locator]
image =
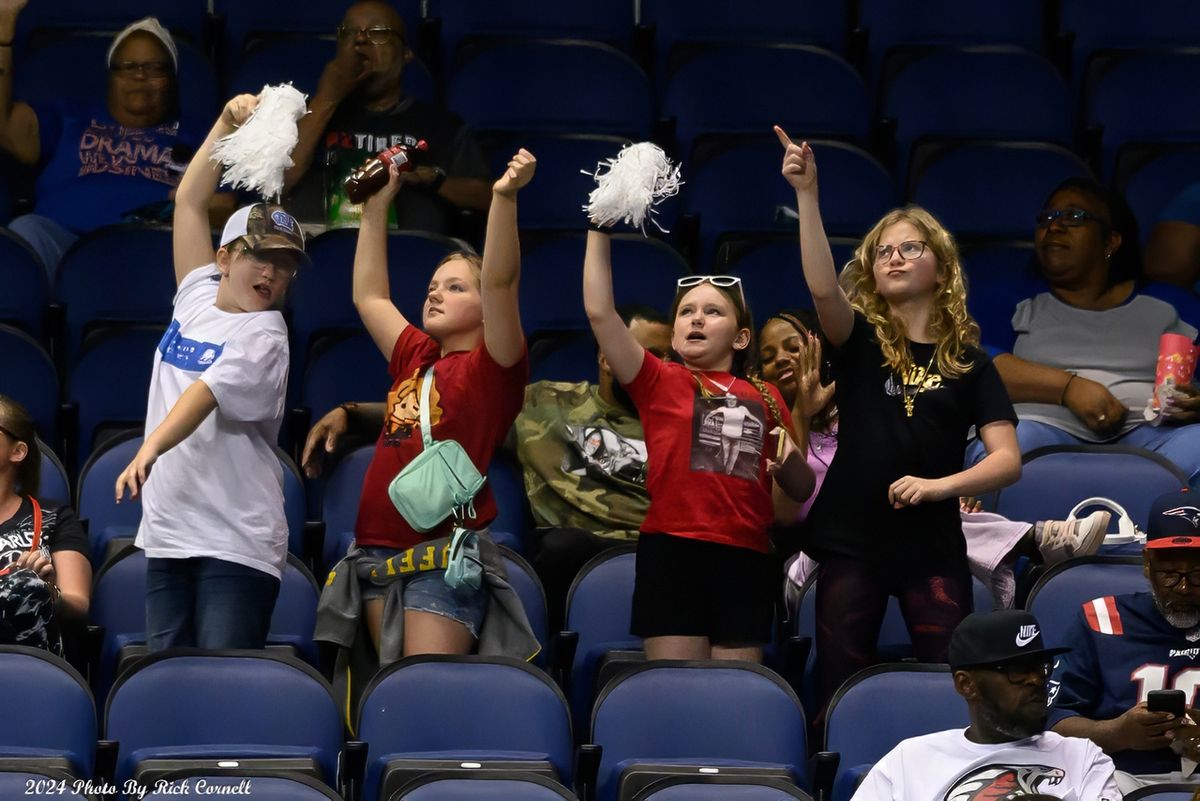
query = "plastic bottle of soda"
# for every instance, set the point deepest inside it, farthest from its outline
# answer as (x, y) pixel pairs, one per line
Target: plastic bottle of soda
(373, 175)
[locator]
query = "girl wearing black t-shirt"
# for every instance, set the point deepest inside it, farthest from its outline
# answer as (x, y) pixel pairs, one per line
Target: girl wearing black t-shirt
(45, 576)
(911, 383)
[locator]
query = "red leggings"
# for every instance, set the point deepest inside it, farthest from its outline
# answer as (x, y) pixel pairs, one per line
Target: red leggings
(852, 598)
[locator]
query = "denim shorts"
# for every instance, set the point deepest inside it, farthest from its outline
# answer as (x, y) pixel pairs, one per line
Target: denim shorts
(428, 592)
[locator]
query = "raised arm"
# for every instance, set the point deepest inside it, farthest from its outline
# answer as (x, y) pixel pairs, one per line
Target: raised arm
(502, 334)
(372, 291)
(623, 352)
(192, 237)
(339, 78)
(820, 273)
(19, 130)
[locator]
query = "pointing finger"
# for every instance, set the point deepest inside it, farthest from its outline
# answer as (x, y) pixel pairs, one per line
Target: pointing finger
(784, 139)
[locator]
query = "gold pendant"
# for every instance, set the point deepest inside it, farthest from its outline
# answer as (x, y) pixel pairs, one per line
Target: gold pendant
(908, 404)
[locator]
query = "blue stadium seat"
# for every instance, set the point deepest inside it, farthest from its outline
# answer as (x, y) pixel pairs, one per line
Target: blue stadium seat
(738, 190)
(810, 92)
(19, 783)
(110, 384)
(999, 276)
(439, 787)
(947, 23)
(249, 21)
(513, 518)
(300, 60)
(1059, 593)
(1055, 478)
(54, 483)
(770, 269)
(119, 608)
(27, 375)
(463, 23)
(680, 24)
(1018, 176)
(261, 787)
(533, 598)
(239, 705)
(563, 186)
(976, 93)
(655, 718)
(26, 287)
(565, 356)
(56, 712)
(722, 788)
(113, 276)
(618, 100)
(181, 17)
(1092, 26)
(340, 495)
(644, 272)
(295, 503)
(919, 699)
(518, 721)
(1135, 99)
(1163, 792)
(340, 369)
(1151, 184)
(599, 607)
(37, 78)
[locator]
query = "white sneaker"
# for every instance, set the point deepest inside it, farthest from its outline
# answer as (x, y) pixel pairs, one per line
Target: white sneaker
(1059, 540)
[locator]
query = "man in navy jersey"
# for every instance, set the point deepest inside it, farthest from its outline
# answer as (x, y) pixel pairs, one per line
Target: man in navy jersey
(1125, 646)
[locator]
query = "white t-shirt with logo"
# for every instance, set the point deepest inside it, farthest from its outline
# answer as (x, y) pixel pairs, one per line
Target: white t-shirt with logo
(219, 493)
(946, 766)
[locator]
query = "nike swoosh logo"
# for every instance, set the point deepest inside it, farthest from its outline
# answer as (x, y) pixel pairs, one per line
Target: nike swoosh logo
(1023, 641)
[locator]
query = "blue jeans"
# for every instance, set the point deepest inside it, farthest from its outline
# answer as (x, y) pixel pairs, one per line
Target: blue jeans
(47, 238)
(207, 603)
(1178, 444)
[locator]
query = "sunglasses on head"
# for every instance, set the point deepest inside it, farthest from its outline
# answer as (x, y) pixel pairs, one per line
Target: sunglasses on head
(716, 280)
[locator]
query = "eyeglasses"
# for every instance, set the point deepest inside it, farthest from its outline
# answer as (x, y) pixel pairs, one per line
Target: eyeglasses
(908, 251)
(151, 69)
(11, 435)
(1171, 578)
(281, 264)
(1071, 218)
(1017, 672)
(376, 35)
(715, 280)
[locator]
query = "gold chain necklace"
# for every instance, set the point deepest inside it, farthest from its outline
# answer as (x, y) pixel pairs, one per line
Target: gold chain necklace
(911, 399)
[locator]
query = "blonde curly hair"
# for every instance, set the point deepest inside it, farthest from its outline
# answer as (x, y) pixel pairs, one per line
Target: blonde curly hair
(953, 328)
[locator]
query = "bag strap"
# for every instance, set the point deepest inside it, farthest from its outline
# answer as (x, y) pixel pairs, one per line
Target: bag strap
(37, 524)
(426, 390)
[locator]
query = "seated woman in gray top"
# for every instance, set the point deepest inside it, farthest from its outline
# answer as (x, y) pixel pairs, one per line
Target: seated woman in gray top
(1081, 367)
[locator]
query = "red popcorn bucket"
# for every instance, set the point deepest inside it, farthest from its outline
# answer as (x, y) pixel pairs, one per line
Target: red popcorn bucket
(1176, 365)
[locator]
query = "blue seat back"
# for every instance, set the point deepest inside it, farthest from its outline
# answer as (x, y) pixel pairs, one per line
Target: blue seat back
(599, 608)
(341, 369)
(724, 788)
(814, 93)
(1055, 478)
(698, 712)
(469, 788)
(999, 275)
(295, 504)
(18, 783)
(119, 607)
(28, 376)
(264, 788)
(54, 706)
(919, 699)
(340, 495)
(101, 19)
(248, 20)
(533, 597)
(618, 100)
(26, 287)
(249, 704)
(1056, 598)
(54, 483)
(1105, 25)
(507, 483)
(514, 709)
(1155, 183)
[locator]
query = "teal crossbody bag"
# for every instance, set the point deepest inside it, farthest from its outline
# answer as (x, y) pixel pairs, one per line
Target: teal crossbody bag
(439, 482)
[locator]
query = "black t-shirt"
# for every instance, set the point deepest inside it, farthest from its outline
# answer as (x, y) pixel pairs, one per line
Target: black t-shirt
(355, 135)
(878, 443)
(61, 531)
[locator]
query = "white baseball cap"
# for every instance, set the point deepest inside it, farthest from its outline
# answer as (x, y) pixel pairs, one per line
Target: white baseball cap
(152, 26)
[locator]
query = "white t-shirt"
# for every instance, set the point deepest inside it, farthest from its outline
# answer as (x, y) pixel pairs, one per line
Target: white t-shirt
(946, 766)
(219, 493)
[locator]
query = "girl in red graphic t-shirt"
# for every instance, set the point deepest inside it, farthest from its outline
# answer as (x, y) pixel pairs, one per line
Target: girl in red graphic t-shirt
(721, 462)
(480, 371)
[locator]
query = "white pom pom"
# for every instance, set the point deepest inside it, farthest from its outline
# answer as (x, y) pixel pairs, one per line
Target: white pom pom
(639, 178)
(258, 153)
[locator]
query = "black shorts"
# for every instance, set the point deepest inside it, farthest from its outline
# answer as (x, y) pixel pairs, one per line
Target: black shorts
(692, 588)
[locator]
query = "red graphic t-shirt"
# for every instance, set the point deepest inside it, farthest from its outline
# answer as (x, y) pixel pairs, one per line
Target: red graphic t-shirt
(707, 474)
(473, 401)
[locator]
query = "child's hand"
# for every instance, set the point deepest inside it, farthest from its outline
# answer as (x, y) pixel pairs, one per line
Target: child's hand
(38, 562)
(799, 165)
(970, 505)
(379, 203)
(517, 175)
(238, 110)
(911, 491)
(811, 395)
(323, 439)
(134, 476)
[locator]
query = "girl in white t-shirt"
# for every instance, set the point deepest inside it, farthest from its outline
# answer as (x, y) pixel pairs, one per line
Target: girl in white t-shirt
(213, 525)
